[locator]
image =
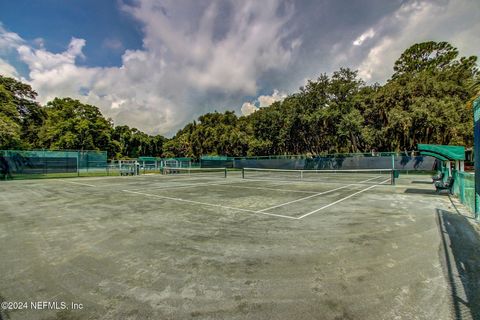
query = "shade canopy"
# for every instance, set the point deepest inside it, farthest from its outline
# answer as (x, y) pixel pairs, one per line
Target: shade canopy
(441, 152)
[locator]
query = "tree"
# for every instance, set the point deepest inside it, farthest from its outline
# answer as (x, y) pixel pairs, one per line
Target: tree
(426, 99)
(425, 56)
(10, 134)
(29, 115)
(71, 124)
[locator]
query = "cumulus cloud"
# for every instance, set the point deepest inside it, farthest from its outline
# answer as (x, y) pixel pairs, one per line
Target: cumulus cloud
(248, 108)
(203, 55)
(455, 21)
(8, 40)
(7, 69)
(262, 102)
(266, 101)
(250, 45)
(188, 49)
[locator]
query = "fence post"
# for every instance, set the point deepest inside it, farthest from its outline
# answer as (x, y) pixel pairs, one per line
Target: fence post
(476, 150)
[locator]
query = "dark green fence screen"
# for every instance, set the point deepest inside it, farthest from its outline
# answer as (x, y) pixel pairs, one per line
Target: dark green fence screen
(25, 164)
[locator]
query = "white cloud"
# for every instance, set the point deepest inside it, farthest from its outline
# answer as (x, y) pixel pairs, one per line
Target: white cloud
(454, 21)
(156, 88)
(262, 102)
(8, 40)
(200, 55)
(252, 43)
(8, 70)
(370, 33)
(266, 101)
(248, 108)
(40, 60)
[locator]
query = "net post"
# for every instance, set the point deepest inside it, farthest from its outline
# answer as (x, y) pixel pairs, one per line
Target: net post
(392, 175)
(225, 176)
(243, 173)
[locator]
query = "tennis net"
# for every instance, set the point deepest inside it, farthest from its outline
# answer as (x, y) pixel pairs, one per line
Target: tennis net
(360, 176)
(197, 172)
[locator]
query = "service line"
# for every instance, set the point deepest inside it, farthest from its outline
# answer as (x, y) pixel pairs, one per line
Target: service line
(316, 195)
(340, 200)
(208, 204)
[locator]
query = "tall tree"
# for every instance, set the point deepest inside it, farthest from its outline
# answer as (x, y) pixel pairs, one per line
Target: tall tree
(426, 99)
(10, 134)
(71, 124)
(29, 115)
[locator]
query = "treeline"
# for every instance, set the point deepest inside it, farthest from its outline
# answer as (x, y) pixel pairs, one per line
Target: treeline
(427, 100)
(65, 124)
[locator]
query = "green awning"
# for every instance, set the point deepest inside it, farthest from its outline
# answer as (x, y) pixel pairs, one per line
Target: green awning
(448, 153)
(435, 155)
(149, 159)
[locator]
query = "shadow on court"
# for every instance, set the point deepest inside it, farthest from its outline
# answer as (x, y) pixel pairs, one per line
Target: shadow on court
(421, 182)
(461, 250)
(424, 191)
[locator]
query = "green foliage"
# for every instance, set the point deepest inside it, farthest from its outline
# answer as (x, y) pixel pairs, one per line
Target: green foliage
(132, 143)
(425, 56)
(71, 124)
(214, 134)
(427, 100)
(21, 115)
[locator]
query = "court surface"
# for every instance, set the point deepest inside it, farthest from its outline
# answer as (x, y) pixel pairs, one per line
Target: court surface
(208, 247)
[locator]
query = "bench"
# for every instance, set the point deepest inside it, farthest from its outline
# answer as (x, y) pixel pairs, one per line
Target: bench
(127, 171)
(438, 177)
(448, 185)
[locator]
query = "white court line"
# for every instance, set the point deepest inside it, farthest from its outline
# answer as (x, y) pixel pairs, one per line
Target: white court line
(83, 184)
(209, 204)
(304, 198)
(183, 186)
(124, 183)
(263, 188)
(313, 195)
(343, 199)
(226, 184)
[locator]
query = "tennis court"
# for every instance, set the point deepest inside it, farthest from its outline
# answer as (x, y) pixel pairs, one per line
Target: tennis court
(251, 245)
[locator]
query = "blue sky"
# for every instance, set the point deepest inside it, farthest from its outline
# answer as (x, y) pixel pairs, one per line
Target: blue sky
(158, 64)
(108, 30)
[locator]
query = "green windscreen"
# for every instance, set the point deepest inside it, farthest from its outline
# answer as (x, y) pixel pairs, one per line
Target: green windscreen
(24, 164)
(464, 188)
